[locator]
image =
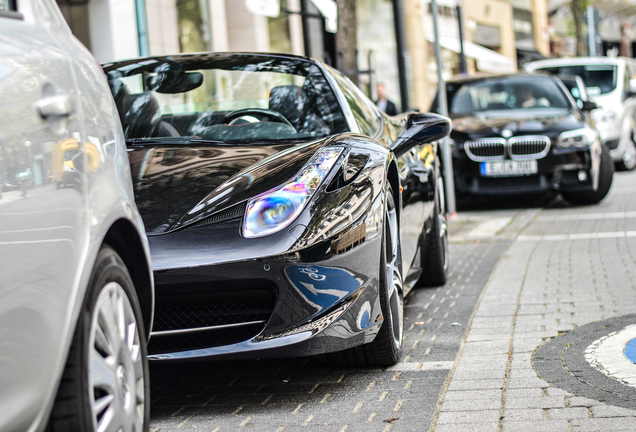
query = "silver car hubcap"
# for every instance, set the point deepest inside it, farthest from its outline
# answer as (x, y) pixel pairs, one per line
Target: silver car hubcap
(394, 277)
(116, 377)
(629, 158)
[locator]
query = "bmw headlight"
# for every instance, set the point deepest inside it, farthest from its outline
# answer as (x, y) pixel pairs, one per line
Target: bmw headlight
(276, 209)
(577, 138)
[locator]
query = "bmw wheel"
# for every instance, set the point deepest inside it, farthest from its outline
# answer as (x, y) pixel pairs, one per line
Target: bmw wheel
(105, 385)
(436, 254)
(605, 178)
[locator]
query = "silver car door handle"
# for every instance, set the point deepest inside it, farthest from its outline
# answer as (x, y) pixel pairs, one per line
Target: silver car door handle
(55, 106)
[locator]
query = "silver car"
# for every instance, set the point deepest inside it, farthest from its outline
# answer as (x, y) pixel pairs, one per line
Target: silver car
(76, 290)
(610, 83)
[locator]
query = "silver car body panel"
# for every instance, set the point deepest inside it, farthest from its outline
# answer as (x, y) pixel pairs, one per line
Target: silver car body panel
(620, 127)
(75, 176)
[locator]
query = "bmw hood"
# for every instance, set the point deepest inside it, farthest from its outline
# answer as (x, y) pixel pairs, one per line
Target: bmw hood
(548, 122)
(179, 184)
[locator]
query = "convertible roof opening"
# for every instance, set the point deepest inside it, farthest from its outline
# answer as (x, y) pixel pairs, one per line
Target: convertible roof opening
(222, 98)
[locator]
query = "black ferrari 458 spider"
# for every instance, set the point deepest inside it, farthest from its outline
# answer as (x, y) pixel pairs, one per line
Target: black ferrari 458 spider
(286, 215)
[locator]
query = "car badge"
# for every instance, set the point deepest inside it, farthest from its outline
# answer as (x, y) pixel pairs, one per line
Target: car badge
(506, 133)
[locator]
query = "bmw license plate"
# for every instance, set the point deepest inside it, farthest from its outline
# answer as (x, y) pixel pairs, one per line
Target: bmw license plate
(508, 168)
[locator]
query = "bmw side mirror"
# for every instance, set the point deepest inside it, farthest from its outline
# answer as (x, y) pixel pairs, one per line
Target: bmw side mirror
(421, 128)
(589, 105)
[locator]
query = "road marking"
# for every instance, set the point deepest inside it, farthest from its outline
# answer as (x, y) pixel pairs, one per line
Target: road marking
(358, 407)
(424, 366)
(579, 236)
(607, 355)
(587, 216)
(489, 228)
(246, 421)
(310, 418)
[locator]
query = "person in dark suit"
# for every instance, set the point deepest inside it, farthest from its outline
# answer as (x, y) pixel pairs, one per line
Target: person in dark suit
(383, 103)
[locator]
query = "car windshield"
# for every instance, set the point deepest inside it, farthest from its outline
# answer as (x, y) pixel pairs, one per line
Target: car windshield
(238, 98)
(599, 79)
(505, 94)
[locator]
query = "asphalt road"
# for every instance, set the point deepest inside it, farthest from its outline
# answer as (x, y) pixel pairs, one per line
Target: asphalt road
(309, 394)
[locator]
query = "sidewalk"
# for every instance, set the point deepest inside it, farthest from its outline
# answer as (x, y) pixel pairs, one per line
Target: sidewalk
(565, 279)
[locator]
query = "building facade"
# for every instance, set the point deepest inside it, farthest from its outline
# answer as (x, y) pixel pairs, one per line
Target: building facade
(495, 33)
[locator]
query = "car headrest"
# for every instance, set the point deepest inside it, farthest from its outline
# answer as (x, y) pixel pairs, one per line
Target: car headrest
(463, 103)
(141, 116)
(287, 101)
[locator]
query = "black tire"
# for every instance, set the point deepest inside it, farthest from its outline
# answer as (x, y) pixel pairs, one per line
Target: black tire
(386, 348)
(73, 410)
(606, 176)
(436, 254)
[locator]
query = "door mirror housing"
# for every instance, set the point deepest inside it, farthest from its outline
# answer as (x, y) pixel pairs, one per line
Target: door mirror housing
(589, 105)
(420, 128)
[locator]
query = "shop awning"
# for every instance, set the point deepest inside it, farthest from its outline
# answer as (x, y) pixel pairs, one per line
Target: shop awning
(329, 10)
(487, 60)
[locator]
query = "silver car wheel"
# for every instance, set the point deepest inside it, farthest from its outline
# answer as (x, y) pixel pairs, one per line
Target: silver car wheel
(393, 275)
(629, 157)
(116, 376)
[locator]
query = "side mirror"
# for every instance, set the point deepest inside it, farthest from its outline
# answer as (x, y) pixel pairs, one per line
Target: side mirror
(589, 105)
(420, 128)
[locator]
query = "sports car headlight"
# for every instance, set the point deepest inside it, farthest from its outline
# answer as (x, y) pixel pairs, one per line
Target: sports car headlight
(577, 138)
(274, 210)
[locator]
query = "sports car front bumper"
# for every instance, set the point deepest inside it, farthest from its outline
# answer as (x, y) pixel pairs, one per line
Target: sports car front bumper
(235, 304)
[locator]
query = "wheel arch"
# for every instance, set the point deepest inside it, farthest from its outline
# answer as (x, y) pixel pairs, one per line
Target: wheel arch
(124, 238)
(394, 180)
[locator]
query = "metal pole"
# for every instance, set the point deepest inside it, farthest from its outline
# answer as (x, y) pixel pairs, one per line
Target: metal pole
(400, 45)
(304, 11)
(462, 56)
(591, 31)
(443, 110)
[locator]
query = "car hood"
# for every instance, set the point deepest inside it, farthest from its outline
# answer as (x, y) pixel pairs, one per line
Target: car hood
(177, 185)
(550, 122)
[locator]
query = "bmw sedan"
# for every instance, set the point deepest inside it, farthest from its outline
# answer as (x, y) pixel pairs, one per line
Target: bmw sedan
(524, 134)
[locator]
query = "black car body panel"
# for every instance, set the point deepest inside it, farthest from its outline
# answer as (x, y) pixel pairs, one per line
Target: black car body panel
(311, 287)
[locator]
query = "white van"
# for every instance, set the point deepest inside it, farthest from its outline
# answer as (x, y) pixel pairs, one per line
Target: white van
(610, 83)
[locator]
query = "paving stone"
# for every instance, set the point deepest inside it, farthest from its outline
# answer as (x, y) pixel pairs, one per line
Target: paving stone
(568, 413)
(602, 410)
(467, 427)
(535, 426)
(471, 417)
(604, 424)
(529, 414)
(479, 384)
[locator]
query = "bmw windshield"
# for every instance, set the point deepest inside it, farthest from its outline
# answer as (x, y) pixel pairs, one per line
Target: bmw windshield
(221, 98)
(505, 94)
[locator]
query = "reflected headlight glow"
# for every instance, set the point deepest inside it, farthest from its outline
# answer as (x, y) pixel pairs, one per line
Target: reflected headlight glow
(276, 209)
(577, 138)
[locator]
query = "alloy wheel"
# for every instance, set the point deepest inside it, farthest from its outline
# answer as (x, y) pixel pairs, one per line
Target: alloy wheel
(394, 275)
(116, 377)
(629, 157)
